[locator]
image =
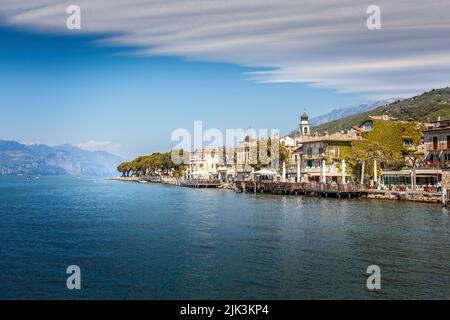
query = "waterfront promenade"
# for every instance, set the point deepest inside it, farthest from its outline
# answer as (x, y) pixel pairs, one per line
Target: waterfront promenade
(313, 189)
(331, 190)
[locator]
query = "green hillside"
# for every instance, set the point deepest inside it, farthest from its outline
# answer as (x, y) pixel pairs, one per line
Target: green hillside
(424, 108)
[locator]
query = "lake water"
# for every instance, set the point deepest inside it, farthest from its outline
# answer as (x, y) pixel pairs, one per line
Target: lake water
(162, 242)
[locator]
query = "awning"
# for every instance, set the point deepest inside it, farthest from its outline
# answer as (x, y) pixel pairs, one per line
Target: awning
(199, 173)
(265, 172)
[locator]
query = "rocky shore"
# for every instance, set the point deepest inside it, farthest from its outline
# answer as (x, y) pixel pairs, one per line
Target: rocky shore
(416, 196)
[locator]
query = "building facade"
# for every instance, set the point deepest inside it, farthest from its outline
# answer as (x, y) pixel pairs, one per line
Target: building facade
(437, 143)
(321, 157)
(203, 164)
(317, 157)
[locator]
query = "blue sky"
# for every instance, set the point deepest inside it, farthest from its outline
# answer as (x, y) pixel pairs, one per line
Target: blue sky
(66, 89)
(139, 69)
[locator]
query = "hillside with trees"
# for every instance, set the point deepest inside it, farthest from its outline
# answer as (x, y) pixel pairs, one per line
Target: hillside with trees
(426, 107)
(153, 165)
(389, 143)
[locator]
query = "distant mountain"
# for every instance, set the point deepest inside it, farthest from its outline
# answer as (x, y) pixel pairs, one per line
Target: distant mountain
(425, 108)
(343, 112)
(17, 158)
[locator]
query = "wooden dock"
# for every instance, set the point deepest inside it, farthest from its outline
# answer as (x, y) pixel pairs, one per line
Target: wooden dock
(446, 198)
(200, 184)
(333, 190)
(314, 189)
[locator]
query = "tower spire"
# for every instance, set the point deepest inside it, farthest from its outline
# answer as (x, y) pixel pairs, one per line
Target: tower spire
(304, 125)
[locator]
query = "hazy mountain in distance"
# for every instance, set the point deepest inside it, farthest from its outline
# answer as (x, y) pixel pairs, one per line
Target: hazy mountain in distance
(343, 112)
(17, 158)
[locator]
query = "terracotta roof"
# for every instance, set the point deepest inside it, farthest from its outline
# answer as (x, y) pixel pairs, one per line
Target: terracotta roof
(331, 137)
(357, 129)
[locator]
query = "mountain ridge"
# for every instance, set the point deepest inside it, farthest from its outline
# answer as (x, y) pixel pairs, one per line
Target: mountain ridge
(426, 107)
(41, 159)
(342, 112)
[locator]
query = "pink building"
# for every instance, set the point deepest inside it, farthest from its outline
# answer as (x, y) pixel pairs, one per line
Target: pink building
(437, 143)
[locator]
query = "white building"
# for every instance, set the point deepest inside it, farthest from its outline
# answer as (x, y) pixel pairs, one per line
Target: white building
(245, 154)
(288, 141)
(203, 164)
(212, 164)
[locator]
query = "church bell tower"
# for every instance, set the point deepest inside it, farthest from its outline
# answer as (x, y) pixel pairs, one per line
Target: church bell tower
(304, 125)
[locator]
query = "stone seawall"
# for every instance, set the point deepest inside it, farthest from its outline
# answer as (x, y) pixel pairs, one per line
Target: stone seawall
(162, 179)
(406, 196)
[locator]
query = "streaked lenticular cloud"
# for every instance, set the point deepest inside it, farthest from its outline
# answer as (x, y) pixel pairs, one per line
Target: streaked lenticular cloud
(323, 43)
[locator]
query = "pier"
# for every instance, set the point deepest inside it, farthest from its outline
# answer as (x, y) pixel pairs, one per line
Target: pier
(139, 179)
(313, 189)
(348, 190)
(200, 184)
(446, 197)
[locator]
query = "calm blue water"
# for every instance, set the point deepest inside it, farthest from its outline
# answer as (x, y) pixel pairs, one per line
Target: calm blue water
(161, 242)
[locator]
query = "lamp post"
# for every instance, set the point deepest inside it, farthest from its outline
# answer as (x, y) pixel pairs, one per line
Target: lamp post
(343, 169)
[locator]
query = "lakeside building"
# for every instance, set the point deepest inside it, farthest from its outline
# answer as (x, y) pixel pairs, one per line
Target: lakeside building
(435, 151)
(399, 131)
(212, 164)
(287, 141)
(424, 177)
(320, 157)
(437, 143)
(244, 158)
(317, 157)
(226, 171)
(203, 164)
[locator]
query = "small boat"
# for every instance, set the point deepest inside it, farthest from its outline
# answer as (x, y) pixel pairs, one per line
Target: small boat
(28, 178)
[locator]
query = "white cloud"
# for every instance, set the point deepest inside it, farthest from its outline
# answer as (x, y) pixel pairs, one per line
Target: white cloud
(93, 145)
(324, 43)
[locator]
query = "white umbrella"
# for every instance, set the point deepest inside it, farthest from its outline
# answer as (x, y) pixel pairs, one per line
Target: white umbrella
(266, 172)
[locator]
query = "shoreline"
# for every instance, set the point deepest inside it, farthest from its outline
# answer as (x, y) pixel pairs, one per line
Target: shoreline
(370, 194)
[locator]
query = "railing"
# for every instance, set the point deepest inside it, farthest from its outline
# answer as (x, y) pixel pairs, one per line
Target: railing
(301, 187)
(200, 183)
(151, 178)
(430, 188)
(438, 164)
(203, 180)
(334, 187)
